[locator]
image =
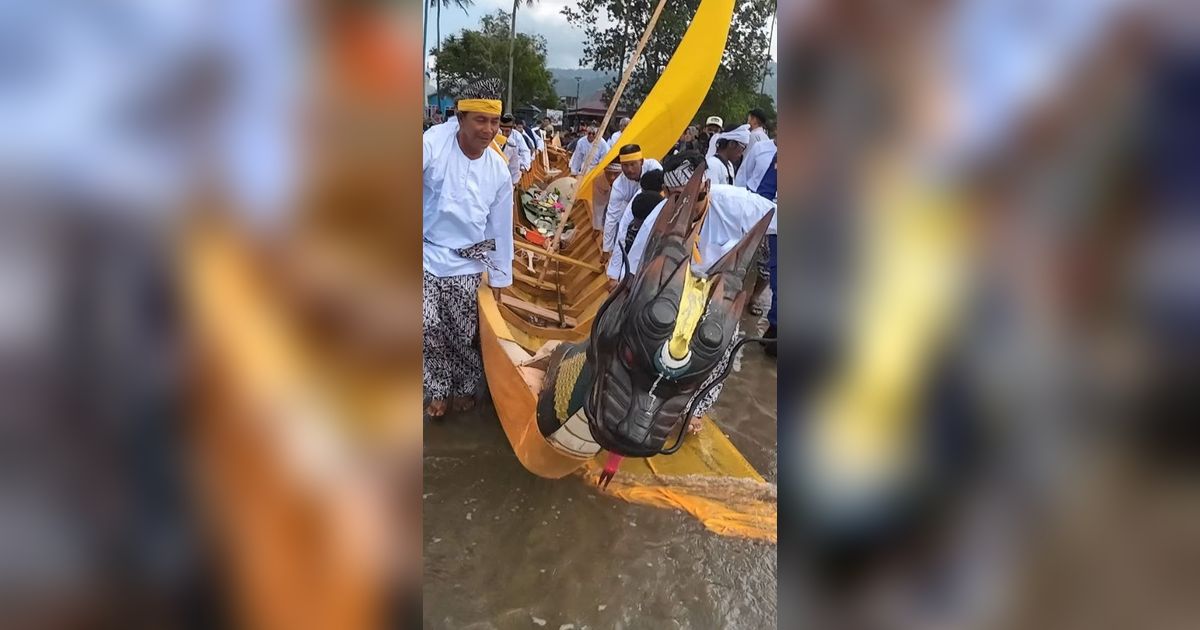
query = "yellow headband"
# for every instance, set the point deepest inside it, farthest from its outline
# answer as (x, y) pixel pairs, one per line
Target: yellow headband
(481, 105)
(631, 157)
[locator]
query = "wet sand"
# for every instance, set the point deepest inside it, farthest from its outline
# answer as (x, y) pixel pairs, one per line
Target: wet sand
(505, 549)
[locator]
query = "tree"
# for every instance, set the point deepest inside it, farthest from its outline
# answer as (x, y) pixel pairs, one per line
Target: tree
(462, 4)
(737, 86)
(512, 42)
(481, 54)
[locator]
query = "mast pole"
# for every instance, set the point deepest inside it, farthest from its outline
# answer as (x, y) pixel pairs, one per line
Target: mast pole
(612, 107)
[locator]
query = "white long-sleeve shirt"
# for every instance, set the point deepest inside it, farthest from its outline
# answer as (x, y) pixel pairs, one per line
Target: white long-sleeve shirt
(712, 142)
(719, 172)
(465, 202)
(524, 152)
(612, 140)
(758, 135)
(732, 212)
(623, 192)
(755, 164)
(581, 150)
(516, 150)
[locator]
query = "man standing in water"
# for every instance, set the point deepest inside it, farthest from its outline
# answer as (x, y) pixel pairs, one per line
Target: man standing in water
(468, 217)
(626, 186)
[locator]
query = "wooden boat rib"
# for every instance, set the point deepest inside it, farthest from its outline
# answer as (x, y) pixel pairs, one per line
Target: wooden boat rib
(571, 279)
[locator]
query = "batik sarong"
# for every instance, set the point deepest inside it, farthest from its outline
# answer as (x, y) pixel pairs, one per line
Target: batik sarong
(450, 326)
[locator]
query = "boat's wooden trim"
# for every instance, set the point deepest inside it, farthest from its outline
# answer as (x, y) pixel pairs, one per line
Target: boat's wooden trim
(543, 333)
(534, 309)
(534, 282)
(580, 264)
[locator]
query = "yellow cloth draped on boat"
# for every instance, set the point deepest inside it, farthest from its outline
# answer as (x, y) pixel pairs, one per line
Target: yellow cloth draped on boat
(679, 92)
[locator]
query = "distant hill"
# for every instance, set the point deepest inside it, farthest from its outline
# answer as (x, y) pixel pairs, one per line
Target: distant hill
(564, 81)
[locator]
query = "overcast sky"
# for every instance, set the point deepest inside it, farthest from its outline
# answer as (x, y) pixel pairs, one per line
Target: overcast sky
(564, 44)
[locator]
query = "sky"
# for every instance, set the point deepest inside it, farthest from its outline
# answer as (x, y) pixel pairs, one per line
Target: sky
(564, 44)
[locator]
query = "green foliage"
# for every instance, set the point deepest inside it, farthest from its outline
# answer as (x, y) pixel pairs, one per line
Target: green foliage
(737, 86)
(480, 54)
(461, 4)
(733, 105)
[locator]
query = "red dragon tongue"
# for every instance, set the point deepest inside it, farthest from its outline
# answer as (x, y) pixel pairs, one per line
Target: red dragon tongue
(610, 469)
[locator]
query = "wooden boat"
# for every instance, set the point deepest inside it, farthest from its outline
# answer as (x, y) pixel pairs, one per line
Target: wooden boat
(707, 478)
(559, 284)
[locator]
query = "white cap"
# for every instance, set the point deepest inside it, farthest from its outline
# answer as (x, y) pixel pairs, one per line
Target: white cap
(715, 120)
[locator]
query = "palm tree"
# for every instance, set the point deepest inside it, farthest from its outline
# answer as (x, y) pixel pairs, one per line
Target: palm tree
(462, 4)
(512, 43)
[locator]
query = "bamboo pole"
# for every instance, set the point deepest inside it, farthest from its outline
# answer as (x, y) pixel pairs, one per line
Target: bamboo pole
(612, 107)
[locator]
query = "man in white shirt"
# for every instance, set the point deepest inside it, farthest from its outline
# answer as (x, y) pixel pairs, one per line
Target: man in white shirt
(515, 147)
(624, 188)
(755, 164)
(729, 149)
(582, 147)
(536, 143)
(757, 119)
(601, 192)
(612, 141)
(712, 142)
(468, 223)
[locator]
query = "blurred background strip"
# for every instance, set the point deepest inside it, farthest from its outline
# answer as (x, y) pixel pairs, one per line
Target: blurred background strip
(209, 331)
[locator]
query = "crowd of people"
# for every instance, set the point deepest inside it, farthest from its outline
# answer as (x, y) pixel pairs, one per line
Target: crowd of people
(473, 161)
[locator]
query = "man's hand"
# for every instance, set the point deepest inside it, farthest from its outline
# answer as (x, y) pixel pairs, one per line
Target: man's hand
(604, 257)
(612, 285)
(496, 294)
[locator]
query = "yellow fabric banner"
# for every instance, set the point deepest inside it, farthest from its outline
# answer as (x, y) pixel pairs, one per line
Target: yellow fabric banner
(681, 89)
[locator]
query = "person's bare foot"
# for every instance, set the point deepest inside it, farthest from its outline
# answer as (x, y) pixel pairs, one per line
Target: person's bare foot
(694, 425)
(464, 403)
(436, 408)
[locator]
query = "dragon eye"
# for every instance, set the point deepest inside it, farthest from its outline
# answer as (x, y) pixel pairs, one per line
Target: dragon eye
(627, 355)
(710, 334)
(661, 313)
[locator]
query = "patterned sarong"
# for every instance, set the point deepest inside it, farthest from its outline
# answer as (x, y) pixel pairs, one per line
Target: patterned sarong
(450, 325)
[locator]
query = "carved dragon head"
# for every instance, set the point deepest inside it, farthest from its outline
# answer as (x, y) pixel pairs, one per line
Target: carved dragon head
(663, 330)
